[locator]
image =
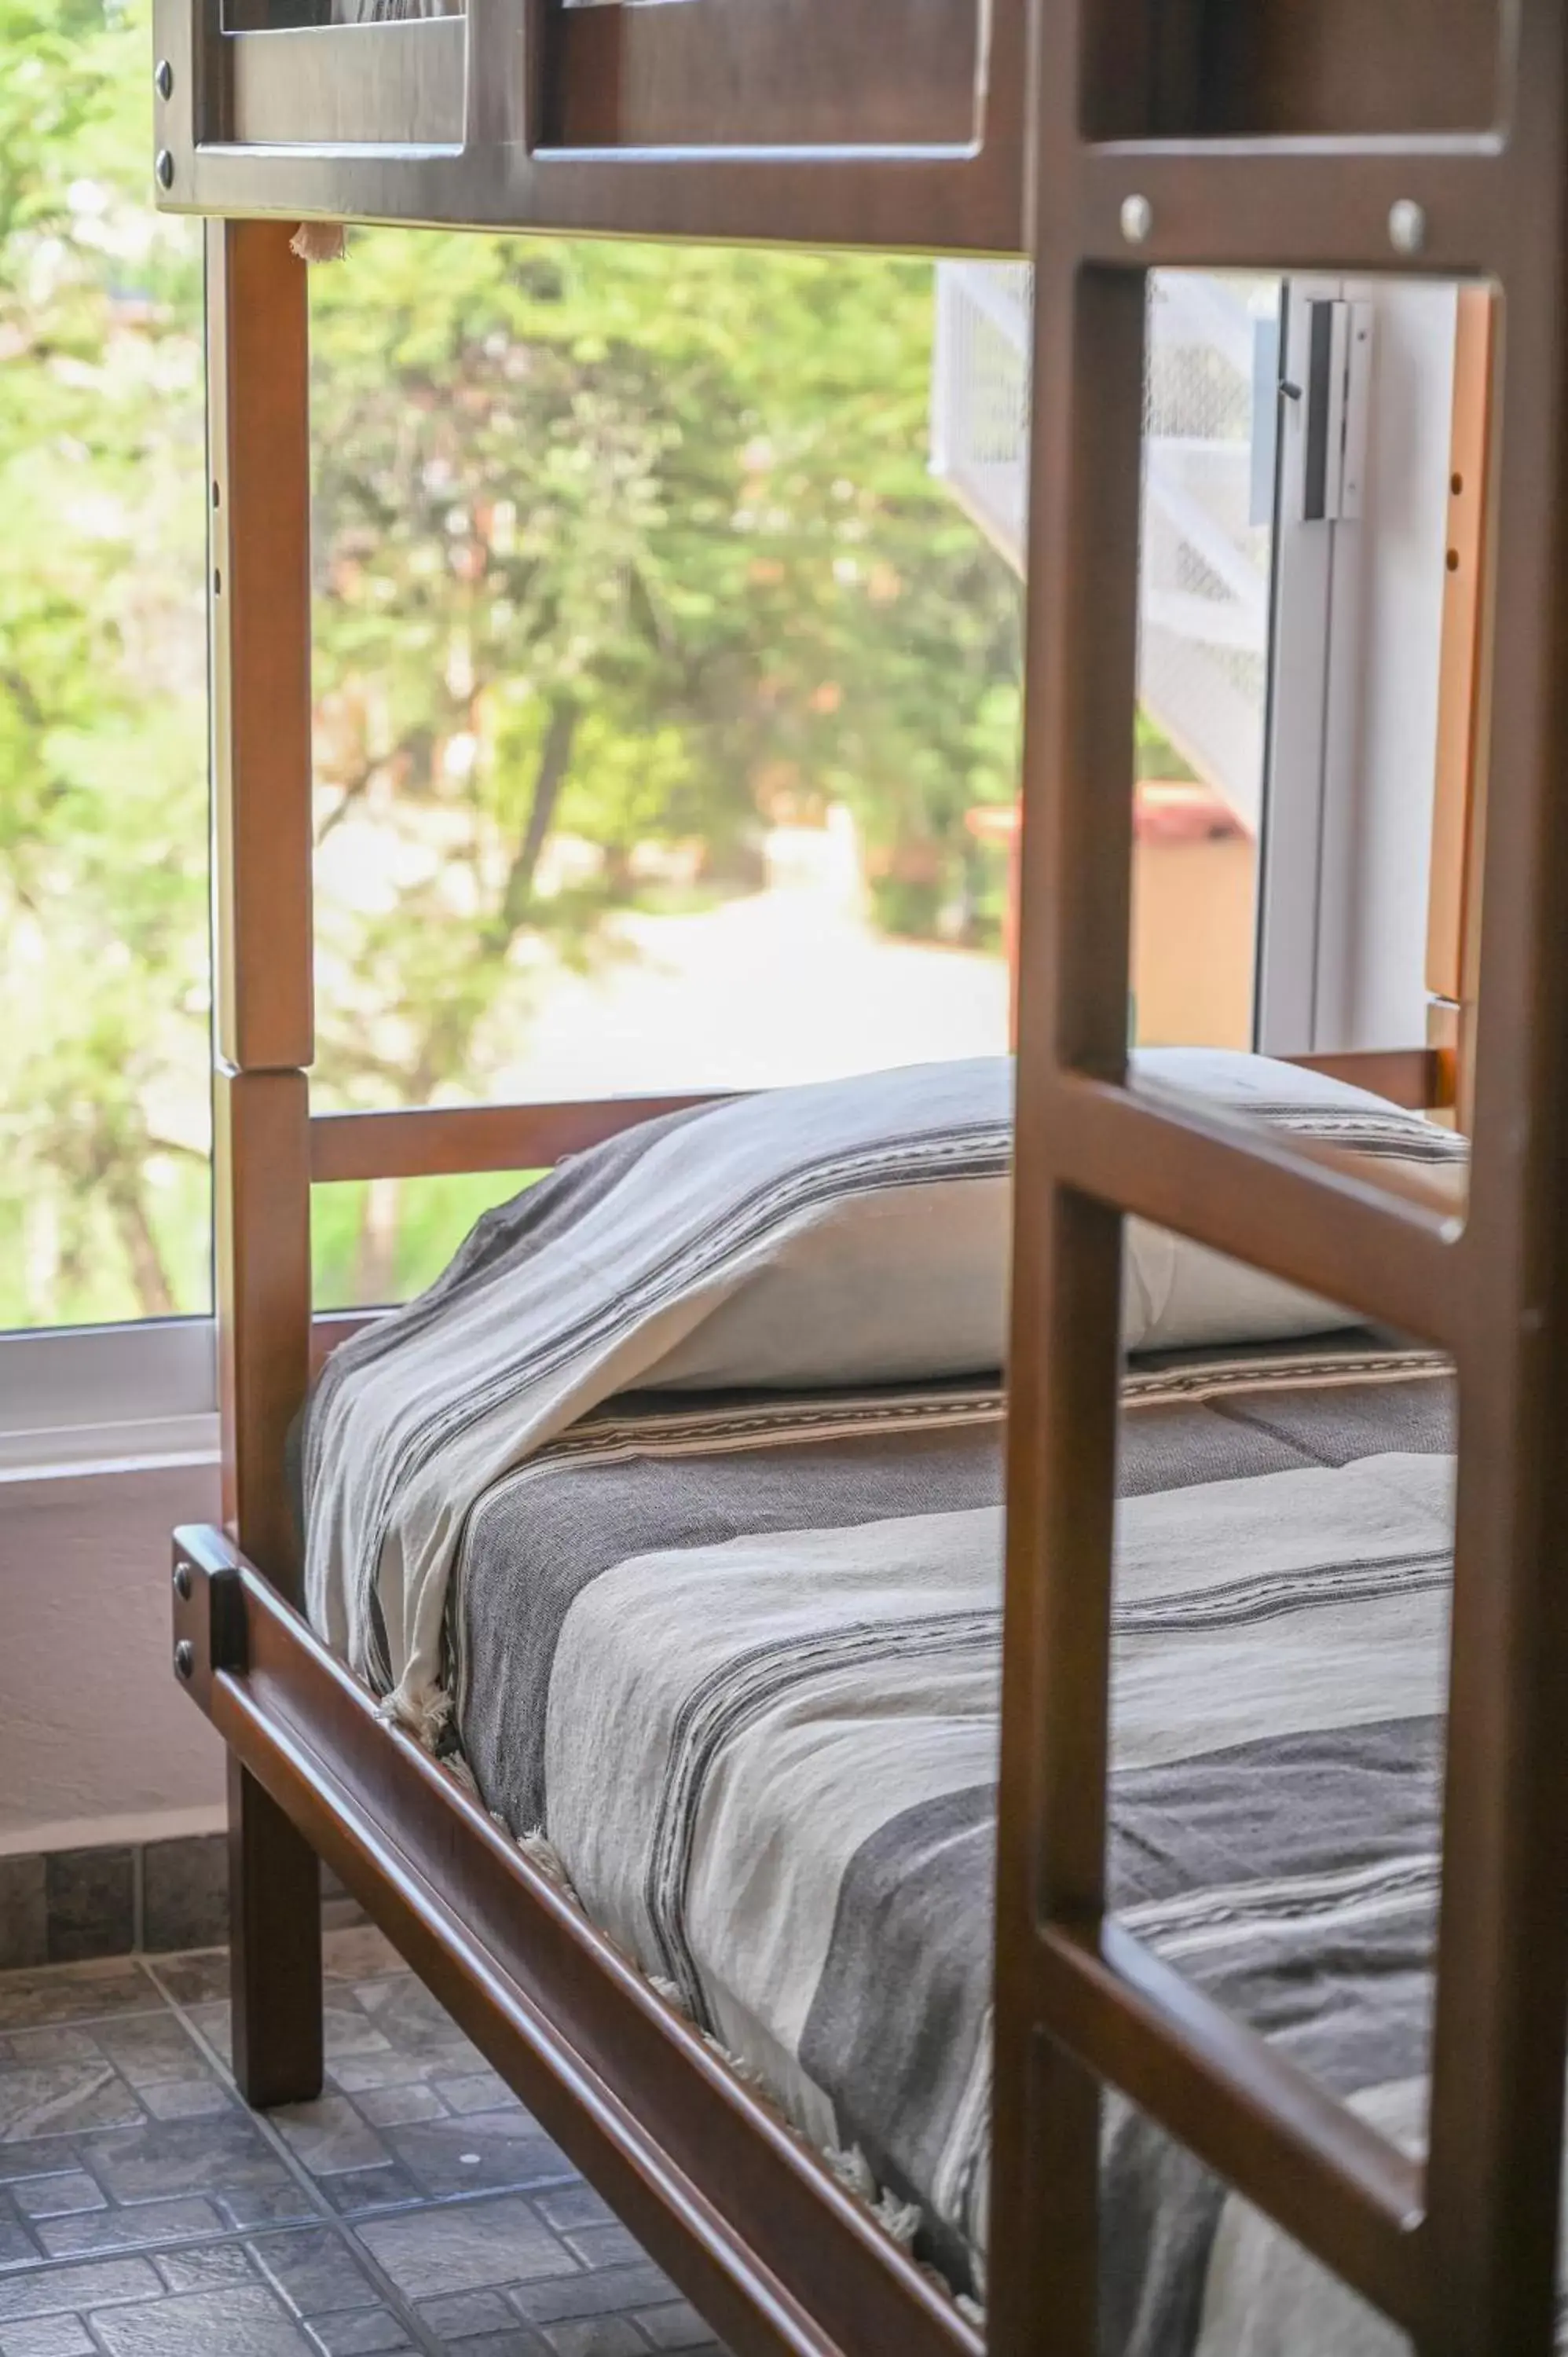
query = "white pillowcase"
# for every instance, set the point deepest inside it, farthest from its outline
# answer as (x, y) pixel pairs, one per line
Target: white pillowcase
(1177, 1295)
(909, 1282)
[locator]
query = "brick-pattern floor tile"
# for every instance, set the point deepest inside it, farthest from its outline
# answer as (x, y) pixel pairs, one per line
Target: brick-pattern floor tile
(414, 2207)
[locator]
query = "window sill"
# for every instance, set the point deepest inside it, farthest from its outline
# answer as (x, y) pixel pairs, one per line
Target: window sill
(110, 1398)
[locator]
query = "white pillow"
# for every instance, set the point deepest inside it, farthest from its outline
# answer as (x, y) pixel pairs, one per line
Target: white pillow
(1177, 1295)
(900, 1282)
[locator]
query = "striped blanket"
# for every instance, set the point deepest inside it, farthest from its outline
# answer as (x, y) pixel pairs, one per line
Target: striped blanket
(739, 1660)
(682, 1491)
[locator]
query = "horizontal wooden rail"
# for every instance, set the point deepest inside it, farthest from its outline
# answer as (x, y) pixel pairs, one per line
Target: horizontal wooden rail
(1327, 2177)
(1381, 1244)
(438, 1140)
(1422, 1079)
(782, 2261)
(1301, 203)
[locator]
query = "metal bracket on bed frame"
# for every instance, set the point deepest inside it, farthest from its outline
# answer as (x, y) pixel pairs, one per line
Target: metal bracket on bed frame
(209, 1611)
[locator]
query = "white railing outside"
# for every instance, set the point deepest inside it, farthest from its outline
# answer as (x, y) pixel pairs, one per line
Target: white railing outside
(1204, 573)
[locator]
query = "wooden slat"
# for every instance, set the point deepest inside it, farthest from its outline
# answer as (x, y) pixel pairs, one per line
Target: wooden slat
(769, 73)
(1242, 2107)
(424, 1142)
(1298, 204)
(1502, 1996)
(1459, 672)
(397, 84)
(1350, 66)
(259, 414)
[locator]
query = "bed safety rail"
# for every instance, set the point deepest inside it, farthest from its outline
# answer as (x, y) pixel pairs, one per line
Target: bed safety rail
(783, 2260)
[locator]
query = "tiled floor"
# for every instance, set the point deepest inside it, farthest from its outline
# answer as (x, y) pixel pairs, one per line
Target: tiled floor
(145, 2212)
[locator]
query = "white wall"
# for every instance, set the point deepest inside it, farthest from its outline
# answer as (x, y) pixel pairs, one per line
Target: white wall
(97, 1744)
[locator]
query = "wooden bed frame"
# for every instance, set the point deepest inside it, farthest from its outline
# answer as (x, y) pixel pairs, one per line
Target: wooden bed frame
(1204, 133)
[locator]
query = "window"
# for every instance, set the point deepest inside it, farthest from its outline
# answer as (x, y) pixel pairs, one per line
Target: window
(667, 696)
(105, 1190)
(658, 681)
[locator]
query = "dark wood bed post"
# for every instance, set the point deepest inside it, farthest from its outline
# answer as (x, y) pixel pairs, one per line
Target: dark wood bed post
(1461, 2251)
(258, 432)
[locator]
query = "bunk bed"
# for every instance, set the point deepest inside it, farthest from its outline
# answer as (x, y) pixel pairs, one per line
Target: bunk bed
(1105, 138)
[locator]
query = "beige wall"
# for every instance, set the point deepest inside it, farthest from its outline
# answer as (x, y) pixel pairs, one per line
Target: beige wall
(97, 1743)
(1193, 928)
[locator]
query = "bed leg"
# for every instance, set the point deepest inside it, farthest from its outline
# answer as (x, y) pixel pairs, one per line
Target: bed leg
(275, 1952)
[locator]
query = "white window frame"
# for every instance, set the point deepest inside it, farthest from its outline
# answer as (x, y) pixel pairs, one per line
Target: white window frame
(1353, 698)
(100, 1396)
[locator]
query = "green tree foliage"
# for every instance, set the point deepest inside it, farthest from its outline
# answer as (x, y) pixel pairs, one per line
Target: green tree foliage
(102, 1140)
(616, 544)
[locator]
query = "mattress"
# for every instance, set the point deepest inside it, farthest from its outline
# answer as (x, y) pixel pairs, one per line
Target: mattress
(671, 1516)
(739, 1661)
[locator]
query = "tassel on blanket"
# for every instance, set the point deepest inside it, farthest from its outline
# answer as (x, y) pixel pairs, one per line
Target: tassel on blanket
(900, 2220)
(540, 1851)
(319, 242)
(422, 1713)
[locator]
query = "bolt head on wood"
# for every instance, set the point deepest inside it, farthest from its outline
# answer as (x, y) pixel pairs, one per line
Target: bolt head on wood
(165, 168)
(163, 79)
(1137, 220)
(185, 1657)
(1407, 226)
(182, 1582)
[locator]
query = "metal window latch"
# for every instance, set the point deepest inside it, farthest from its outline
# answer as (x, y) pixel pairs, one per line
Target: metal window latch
(1335, 404)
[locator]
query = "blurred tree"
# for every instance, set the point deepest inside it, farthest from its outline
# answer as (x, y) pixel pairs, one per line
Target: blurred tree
(103, 718)
(616, 547)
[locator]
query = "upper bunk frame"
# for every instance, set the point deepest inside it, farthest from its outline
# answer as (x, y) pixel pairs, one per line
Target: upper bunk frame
(1460, 2250)
(741, 119)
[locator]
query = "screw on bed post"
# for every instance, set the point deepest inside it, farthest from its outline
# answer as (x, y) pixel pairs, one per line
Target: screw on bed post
(184, 1658)
(164, 167)
(163, 79)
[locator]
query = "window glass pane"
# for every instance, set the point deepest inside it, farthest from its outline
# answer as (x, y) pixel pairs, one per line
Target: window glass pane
(104, 1191)
(379, 1240)
(659, 680)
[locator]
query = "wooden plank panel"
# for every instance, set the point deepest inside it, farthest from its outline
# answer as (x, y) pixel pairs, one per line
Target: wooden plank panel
(396, 84)
(1064, 1359)
(424, 1141)
(759, 73)
(259, 418)
(1350, 66)
(1459, 671)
